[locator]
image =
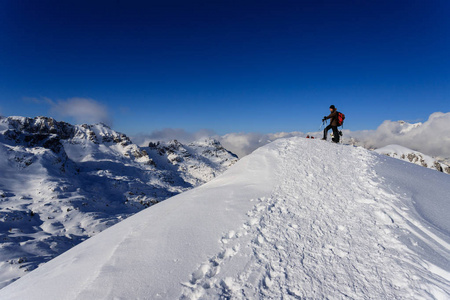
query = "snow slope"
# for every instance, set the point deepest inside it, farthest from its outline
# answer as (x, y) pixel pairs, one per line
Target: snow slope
(414, 157)
(61, 184)
(296, 219)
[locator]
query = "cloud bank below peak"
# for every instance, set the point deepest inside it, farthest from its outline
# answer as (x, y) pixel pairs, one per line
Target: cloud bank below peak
(243, 144)
(168, 134)
(240, 144)
(430, 137)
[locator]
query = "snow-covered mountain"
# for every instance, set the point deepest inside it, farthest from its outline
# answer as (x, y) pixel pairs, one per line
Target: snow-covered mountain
(296, 219)
(405, 127)
(62, 183)
(415, 157)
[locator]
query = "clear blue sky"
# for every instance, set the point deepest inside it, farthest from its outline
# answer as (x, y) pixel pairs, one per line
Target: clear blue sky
(230, 66)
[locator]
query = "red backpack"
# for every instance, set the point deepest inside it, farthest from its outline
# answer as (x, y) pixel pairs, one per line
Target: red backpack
(341, 118)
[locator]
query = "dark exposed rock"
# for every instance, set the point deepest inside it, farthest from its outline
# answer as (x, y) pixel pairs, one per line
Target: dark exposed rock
(438, 166)
(419, 159)
(35, 130)
(42, 125)
(153, 145)
(414, 158)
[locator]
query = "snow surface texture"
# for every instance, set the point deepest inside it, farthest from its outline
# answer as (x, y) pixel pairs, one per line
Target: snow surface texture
(414, 157)
(297, 219)
(60, 184)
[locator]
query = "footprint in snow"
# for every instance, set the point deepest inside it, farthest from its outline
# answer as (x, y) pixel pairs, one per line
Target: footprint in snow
(259, 240)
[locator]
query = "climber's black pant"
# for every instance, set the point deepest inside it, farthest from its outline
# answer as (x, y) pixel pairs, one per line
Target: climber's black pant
(335, 133)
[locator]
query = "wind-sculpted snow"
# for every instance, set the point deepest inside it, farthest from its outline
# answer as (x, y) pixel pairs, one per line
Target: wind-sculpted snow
(296, 219)
(62, 183)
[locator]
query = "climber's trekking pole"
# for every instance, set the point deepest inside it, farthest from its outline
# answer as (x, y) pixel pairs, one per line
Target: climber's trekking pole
(321, 126)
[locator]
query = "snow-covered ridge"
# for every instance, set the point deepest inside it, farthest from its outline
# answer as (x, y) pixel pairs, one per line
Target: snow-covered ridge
(62, 183)
(415, 157)
(298, 218)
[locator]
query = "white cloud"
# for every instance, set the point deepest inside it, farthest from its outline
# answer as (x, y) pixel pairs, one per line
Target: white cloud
(431, 137)
(241, 144)
(168, 134)
(82, 110)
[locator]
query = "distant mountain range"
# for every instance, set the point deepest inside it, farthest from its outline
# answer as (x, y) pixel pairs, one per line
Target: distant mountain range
(62, 183)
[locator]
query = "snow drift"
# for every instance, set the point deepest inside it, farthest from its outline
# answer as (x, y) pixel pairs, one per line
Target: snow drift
(299, 218)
